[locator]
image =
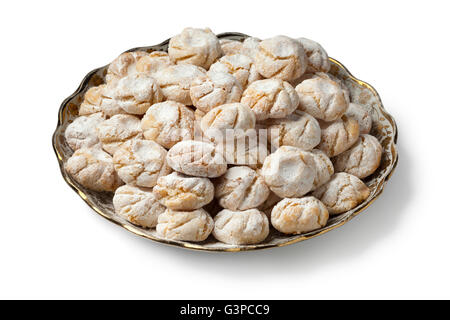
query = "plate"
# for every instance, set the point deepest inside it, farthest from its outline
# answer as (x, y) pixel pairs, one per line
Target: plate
(384, 128)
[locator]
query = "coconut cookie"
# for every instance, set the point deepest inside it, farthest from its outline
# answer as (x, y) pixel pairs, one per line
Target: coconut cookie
(270, 98)
(238, 65)
(199, 47)
(196, 158)
(317, 56)
(168, 123)
(281, 57)
(124, 65)
(241, 227)
(342, 193)
(141, 162)
(322, 98)
(185, 225)
(115, 131)
(214, 89)
(181, 192)
(137, 205)
(136, 93)
(175, 81)
(299, 130)
(338, 136)
(297, 216)
(230, 47)
(232, 116)
(289, 172)
(81, 133)
(324, 168)
(241, 188)
(357, 112)
(153, 62)
(362, 159)
(94, 169)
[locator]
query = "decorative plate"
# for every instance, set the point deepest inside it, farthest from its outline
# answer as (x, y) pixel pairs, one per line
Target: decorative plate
(384, 128)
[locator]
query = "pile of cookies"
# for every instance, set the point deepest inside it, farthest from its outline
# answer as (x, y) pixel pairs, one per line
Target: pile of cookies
(224, 138)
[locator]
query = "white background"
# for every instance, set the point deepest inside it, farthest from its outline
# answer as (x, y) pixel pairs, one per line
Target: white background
(52, 245)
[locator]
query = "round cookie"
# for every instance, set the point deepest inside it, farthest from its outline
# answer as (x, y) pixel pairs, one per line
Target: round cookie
(357, 112)
(196, 158)
(124, 65)
(136, 93)
(214, 89)
(137, 205)
(338, 136)
(317, 56)
(153, 62)
(168, 123)
(94, 169)
(241, 188)
(324, 168)
(81, 133)
(322, 98)
(281, 57)
(199, 47)
(177, 191)
(230, 47)
(362, 159)
(289, 172)
(141, 162)
(99, 99)
(270, 98)
(175, 81)
(241, 227)
(244, 151)
(118, 129)
(250, 46)
(185, 225)
(297, 216)
(342, 193)
(233, 116)
(238, 65)
(299, 130)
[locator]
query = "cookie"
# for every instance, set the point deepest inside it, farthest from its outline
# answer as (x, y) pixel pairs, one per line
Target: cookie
(177, 191)
(342, 193)
(136, 93)
(299, 130)
(124, 65)
(338, 136)
(141, 162)
(297, 216)
(153, 62)
(219, 122)
(118, 129)
(322, 98)
(270, 98)
(238, 65)
(198, 47)
(281, 57)
(241, 188)
(137, 205)
(241, 227)
(357, 112)
(94, 169)
(324, 168)
(192, 226)
(362, 159)
(81, 133)
(175, 81)
(244, 151)
(168, 123)
(214, 89)
(250, 46)
(317, 56)
(196, 158)
(99, 100)
(289, 172)
(230, 47)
